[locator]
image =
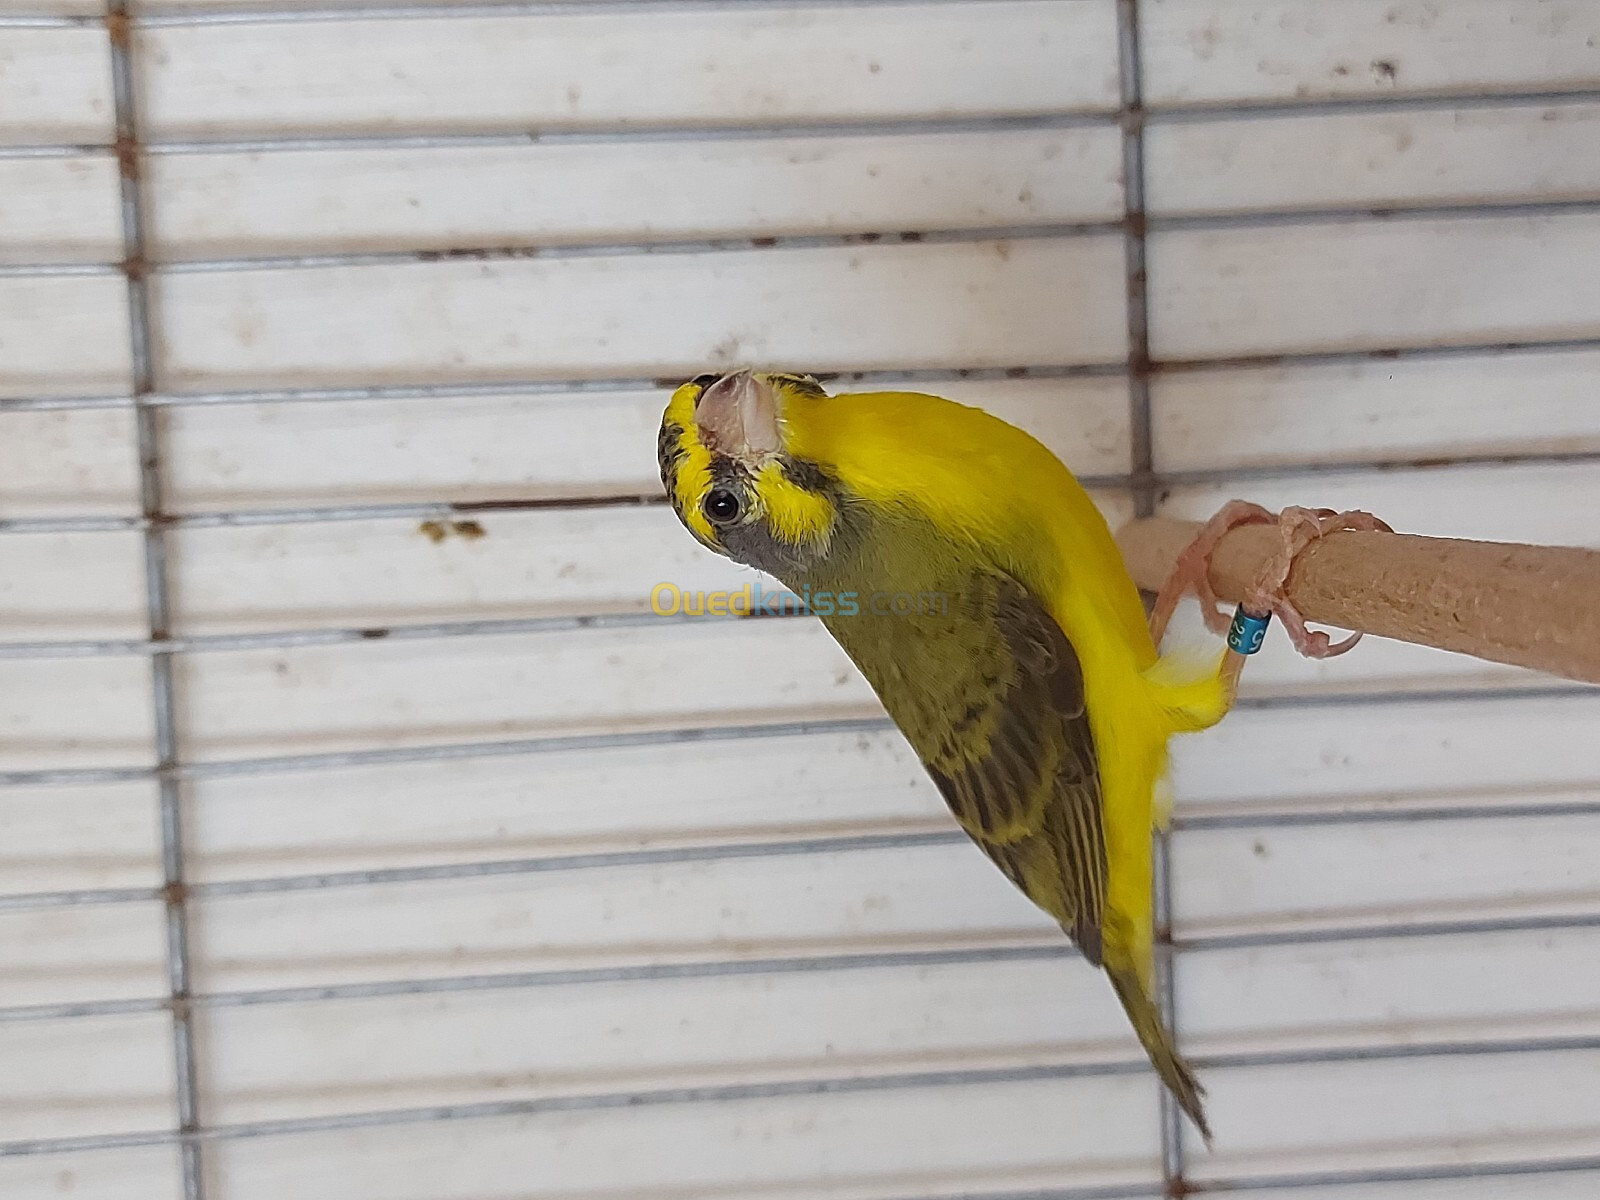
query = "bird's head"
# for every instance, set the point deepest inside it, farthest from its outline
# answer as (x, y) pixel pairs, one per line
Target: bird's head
(732, 475)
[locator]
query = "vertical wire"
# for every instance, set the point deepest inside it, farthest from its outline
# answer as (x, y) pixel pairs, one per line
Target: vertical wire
(136, 268)
(1144, 484)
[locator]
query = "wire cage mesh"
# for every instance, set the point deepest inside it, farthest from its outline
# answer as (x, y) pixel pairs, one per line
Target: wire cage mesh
(369, 837)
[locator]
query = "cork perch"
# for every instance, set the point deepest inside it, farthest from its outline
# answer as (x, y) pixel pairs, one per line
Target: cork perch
(1527, 606)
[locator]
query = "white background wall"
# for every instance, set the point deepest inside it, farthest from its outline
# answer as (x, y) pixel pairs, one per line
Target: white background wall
(677, 916)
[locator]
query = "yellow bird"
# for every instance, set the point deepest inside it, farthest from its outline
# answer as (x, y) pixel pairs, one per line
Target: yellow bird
(978, 589)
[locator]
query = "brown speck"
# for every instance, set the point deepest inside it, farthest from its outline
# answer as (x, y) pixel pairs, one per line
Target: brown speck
(764, 243)
(246, 327)
(373, 635)
(874, 66)
(127, 152)
(1025, 196)
(471, 530)
(434, 531)
(1259, 849)
(1385, 69)
(912, 236)
(1341, 70)
(118, 29)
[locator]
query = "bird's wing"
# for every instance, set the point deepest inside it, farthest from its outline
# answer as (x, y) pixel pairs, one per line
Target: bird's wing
(991, 697)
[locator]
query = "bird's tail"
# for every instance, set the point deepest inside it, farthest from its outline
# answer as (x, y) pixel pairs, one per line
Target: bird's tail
(1157, 1042)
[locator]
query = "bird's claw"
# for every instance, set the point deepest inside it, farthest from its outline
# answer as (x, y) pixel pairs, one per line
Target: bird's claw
(1299, 527)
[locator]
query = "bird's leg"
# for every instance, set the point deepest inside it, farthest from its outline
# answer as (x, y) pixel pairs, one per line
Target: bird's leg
(1298, 527)
(1192, 570)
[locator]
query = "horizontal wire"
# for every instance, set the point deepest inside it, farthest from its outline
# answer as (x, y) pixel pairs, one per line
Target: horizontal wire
(456, 509)
(533, 388)
(564, 977)
(1441, 927)
(775, 1089)
(457, 751)
(303, 638)
(50, 20)
(522, 251)
(10, 270)
(664, 247)
(323, 514)
(153, 14)
(514, 388)
(912, 835)
(1047, 947)
(799, 129)
(443, 752)
(1367, 1176)
(1221, 112)
(275, 12)
(624, 134)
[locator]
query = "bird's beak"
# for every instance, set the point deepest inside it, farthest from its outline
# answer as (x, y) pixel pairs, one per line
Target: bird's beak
(738, 416)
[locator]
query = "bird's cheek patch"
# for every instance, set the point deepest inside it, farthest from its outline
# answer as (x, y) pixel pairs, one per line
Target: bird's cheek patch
(794, 514)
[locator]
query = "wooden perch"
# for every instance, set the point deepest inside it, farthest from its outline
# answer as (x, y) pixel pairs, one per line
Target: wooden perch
(1528, 606)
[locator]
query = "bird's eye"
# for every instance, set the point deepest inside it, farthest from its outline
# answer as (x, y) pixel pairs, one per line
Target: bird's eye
(723, 506)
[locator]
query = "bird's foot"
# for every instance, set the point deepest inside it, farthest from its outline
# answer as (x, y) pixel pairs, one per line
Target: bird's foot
(1298, 527)
(1192, 571)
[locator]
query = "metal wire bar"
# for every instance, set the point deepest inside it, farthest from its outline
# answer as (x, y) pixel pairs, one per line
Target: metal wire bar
(49, 20)
(231, 14)
(489, 748)
(549, 387)
(300, 639)
(1392, 211)
(1380, 1175)
(303, 638)
(1220, 112)
(906, 834)
(664, 247)
(776, 1089)
(1029, 946)
(1142, 474)
(157, 597)
(455, 509)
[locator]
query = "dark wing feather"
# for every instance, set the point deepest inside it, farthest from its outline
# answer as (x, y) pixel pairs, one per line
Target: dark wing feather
(992, 699)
